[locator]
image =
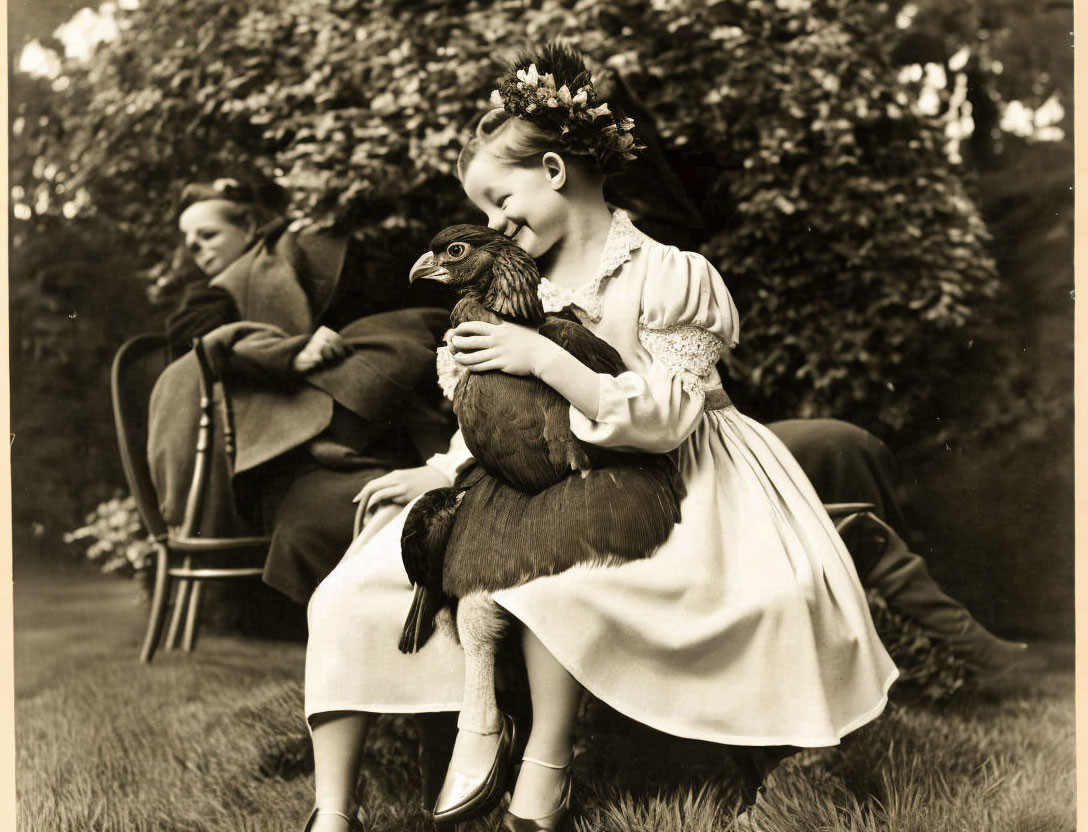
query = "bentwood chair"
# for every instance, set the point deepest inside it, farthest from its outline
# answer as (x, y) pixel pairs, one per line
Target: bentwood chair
(845, 515)
(184, 559)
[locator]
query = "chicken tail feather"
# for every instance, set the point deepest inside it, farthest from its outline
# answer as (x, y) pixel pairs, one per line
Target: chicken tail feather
(419, 625)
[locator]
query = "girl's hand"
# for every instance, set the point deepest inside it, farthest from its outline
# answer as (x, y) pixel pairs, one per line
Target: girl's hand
(509, 348)
(400, 487)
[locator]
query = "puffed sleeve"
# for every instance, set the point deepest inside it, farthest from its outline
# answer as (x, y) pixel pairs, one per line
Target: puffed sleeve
(687, 318)
(458, 456)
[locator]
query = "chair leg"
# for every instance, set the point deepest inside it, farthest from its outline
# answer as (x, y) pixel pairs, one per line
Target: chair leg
(159, 596)
(192, 619)
(181, 604)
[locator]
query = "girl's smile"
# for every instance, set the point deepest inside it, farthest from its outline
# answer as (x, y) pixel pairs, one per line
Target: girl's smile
(522, 202)
(513, 231)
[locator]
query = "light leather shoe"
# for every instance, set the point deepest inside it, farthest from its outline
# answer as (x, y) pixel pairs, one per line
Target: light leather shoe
(553, 822)
(353, 824)
(466, 797)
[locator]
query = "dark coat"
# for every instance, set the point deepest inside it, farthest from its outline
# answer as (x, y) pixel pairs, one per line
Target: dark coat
(392, 357)
(349, 415)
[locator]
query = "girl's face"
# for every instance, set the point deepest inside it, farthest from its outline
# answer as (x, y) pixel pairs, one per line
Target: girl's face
(211, 237)
(524, 203)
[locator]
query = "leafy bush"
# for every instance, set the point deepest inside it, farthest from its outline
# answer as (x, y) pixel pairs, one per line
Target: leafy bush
(927, 666)
(120, 543)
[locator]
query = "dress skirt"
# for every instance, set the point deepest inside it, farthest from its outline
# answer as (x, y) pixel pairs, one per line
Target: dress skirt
(748, 626)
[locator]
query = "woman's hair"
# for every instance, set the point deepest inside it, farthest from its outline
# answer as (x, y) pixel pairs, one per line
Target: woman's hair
(258, 202)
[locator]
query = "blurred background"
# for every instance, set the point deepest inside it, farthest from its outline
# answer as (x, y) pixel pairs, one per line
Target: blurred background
(886, 188)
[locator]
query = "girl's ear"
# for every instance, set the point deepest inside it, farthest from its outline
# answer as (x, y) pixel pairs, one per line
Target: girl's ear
(555, 169)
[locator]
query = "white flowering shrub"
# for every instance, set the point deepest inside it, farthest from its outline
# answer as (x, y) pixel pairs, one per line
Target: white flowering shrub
(118, 542)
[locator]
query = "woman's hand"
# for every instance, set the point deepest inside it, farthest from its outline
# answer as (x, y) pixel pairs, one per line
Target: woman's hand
(324, 347)
(509, 348)
(400, 487)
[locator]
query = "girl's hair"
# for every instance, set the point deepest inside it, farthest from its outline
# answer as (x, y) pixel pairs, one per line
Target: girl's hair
(500, 133)
(518, 142)
(546, 100)
(647, 187)
(257, 202)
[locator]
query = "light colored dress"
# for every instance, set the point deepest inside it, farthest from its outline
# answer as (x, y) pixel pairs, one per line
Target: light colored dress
(748, 626)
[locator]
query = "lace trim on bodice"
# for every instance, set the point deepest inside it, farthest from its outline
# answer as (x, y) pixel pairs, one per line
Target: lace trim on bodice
(623, 238)
(689, 351)
(556, 298)
(449, 371)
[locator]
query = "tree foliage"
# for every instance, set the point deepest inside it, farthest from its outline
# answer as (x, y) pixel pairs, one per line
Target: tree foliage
(1009, 71)
(855, 254)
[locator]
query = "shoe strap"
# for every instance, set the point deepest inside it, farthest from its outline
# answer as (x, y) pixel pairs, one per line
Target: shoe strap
(545, 764)
(348, 818)
(480, 733)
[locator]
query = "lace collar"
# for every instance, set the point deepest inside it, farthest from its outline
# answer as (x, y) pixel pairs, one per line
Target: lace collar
(623, 238)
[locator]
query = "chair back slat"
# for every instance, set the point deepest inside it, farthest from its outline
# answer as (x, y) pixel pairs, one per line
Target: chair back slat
(136, 367)
(194, 504)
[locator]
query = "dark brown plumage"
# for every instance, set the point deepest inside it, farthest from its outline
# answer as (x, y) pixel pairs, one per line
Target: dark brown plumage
(539, 500)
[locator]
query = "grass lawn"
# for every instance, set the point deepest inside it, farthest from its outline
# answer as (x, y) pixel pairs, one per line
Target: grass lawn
(216, 741)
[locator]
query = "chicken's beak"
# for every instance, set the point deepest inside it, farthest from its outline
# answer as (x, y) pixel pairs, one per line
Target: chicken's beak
(426, 269)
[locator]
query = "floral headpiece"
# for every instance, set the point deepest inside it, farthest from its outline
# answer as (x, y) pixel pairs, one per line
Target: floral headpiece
(586, 125)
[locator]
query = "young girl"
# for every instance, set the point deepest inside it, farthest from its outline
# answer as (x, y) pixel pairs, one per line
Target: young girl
(747, 627)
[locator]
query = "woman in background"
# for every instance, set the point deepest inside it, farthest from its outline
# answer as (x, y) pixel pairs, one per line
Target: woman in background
(329, 365)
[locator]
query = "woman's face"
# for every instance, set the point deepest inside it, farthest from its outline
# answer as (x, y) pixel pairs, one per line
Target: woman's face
(211, 237)
(524, 203)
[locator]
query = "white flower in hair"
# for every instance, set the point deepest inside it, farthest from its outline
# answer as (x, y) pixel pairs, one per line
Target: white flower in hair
(585, 124)
(529, 77)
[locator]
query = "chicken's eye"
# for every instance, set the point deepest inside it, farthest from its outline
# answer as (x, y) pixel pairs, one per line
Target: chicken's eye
(456, 250)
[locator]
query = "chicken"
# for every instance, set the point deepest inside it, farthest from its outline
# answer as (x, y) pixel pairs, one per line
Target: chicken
(539, 500)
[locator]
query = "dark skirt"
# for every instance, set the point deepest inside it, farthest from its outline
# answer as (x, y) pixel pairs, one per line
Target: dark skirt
(844, 463)
(307, 509)
(311, 527)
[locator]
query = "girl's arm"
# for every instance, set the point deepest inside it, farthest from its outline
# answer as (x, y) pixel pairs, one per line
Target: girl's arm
(568, 376)
(686, 319)
(652, 412)
(522, 351)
